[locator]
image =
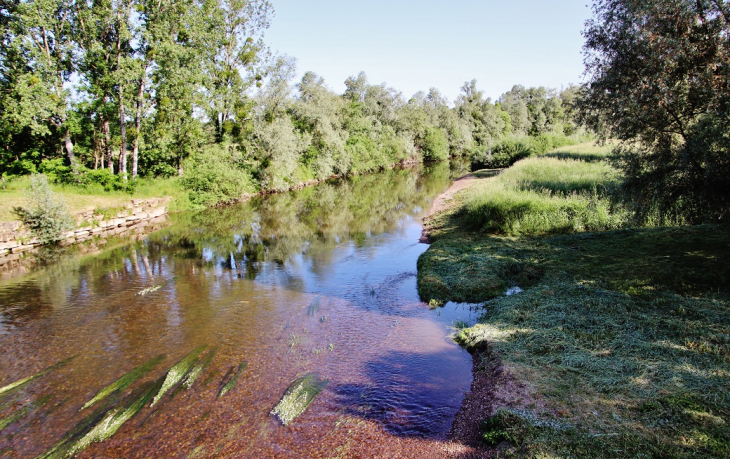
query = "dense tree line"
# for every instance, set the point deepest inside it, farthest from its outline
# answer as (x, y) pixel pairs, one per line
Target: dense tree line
(105, 90)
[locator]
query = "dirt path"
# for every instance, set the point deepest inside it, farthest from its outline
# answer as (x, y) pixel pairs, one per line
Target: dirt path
(445, 200)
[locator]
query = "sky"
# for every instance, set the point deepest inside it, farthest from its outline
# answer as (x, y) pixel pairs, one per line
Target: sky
(415, 45)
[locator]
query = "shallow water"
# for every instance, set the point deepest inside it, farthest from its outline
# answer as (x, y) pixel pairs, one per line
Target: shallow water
(321, 280)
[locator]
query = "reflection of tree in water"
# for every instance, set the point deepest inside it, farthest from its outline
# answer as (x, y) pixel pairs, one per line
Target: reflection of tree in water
(273, 228)
(308, 222)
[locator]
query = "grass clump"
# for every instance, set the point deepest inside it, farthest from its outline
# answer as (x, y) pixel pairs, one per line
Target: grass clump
(231, 377)
(177, 373)
(102, 424)
(298, 397)
(8, 389)
(198, 368)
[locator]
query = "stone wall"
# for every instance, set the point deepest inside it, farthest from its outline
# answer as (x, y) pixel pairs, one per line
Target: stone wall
(136, 216)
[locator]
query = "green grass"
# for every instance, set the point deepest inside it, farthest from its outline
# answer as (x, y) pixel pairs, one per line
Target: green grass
(545, 196)
(621, 338)
(83, 199)
(589, 151)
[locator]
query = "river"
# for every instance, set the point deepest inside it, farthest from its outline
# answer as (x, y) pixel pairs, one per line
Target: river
(319, 281)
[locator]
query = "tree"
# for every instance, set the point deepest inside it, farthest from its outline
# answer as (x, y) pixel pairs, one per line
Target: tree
(38, 36)
(659, 80)
(234, 48)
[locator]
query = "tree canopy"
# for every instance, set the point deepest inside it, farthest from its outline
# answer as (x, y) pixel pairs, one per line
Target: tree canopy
(659, 79)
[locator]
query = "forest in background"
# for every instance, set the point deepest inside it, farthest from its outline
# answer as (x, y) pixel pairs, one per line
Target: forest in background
(100, 93)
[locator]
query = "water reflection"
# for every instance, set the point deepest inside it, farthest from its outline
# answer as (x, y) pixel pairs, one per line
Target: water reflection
(320, 280)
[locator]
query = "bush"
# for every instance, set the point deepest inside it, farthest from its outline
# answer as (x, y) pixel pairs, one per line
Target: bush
(435, 146)
(46, 214)
(81, 176)
(215, 176)
(508, 151)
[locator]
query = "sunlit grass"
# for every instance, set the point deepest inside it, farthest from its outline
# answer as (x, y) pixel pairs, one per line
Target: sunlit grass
(83, 199)
(589, 151)
(545, 196)
(621, 338)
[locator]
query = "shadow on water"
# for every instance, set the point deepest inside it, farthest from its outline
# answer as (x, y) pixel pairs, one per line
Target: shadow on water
(407, 393)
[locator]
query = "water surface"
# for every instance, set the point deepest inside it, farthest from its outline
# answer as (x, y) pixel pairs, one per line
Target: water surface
(321, 280)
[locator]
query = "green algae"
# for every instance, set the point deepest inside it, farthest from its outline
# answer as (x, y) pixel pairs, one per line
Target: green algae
(5, 390)
(177, 373)
(197, 370)
(125, 381)
(23, 412)
(231, 377)
(102, 424)
(298, 397)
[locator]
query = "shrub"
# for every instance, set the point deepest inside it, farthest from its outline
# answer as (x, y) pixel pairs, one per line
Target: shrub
(214, 176)
(435, 146)
(46, 214)
(508, 151)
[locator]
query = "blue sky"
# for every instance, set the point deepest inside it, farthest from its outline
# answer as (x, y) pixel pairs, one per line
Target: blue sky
(414, 45)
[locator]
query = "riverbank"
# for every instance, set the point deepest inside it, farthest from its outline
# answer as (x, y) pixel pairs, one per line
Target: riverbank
(618, 344)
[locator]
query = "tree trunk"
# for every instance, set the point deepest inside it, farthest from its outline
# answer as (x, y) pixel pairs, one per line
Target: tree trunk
(69, 147)
(123, 132)
(107, 145)
(137, 126)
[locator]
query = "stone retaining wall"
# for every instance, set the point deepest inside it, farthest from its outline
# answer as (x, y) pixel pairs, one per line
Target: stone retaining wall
(136, 215)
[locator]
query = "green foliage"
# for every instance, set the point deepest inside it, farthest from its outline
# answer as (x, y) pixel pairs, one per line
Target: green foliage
(435, 146)
(508, 151)
(216, 175)
(657, 81)
(45, 214)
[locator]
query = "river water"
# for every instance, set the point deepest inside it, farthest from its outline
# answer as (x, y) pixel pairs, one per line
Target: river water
(320, 281)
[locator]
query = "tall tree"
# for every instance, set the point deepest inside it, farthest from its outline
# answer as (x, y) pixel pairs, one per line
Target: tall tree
(659, 79)
(39, 38)
(234, 48)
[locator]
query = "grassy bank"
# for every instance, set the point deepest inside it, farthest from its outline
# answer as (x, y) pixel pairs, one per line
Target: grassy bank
(621, 338)
(82, 199)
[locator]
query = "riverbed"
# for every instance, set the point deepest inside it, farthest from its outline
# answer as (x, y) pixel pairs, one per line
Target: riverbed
(318, 281)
